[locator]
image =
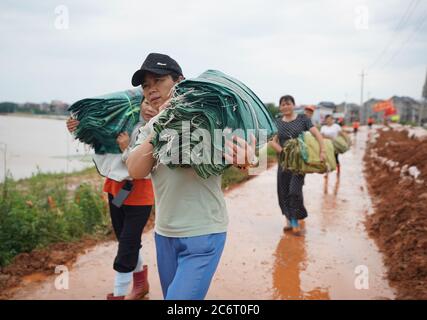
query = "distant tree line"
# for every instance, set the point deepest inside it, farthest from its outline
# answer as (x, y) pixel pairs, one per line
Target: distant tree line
(33, 108)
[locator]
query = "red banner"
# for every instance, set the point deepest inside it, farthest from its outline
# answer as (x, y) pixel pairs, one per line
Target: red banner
(383, 105)
(390, 111)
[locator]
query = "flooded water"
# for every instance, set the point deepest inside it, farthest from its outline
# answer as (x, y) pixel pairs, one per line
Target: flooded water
(39, 144)
(333, 259)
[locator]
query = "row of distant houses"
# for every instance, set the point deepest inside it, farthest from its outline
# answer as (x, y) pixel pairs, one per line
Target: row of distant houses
(408, 109)
(54, 107)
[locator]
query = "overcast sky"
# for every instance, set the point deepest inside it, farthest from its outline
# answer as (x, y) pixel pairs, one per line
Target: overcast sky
(313, 49)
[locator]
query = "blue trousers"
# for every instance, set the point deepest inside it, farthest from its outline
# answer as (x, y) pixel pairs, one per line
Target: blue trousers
(186, 265)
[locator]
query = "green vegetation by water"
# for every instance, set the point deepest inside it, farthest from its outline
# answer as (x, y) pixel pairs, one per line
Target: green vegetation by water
(42, 210)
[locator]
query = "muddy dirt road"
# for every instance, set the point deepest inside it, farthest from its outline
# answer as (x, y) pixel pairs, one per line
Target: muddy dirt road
(328, 261)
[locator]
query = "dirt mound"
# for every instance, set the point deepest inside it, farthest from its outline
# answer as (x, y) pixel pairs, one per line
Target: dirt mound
(397, 146)
(399, 223)
(41, 261)
(46, 260)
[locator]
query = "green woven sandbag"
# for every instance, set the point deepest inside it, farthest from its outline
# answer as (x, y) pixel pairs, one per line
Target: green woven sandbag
(103, 118)
(312, 163)
(211, 101)
(301, 155)
(291, 158)
(341, 144)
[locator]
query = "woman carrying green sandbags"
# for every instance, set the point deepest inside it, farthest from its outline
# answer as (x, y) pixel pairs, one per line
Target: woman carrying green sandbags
(191, 216)
(130, 217)
(289, 185)
(332, 130)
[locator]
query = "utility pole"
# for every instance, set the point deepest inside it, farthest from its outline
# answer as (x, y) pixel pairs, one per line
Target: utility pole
(362, 107)
(345, 108)
(423, 107)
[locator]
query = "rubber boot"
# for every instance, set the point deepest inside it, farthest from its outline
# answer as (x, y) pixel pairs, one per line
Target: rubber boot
(111, 296)
(288, 226)
(296, 230)
(140, 285)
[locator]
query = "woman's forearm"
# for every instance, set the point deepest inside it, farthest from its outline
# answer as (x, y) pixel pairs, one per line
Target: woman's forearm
(141, 161)
(275, 145)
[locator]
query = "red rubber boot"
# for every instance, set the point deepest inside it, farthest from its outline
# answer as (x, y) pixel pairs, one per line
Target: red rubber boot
(140, 285)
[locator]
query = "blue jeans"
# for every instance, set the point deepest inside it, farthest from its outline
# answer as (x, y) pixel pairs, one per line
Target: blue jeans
(187, 265)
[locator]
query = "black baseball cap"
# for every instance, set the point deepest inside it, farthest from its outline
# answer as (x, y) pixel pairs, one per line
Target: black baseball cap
(156, 63)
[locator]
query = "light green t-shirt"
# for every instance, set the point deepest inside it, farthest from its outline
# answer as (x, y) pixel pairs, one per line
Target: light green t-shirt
(186, 204)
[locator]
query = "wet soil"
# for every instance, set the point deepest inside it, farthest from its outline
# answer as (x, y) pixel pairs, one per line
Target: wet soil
(399, 224)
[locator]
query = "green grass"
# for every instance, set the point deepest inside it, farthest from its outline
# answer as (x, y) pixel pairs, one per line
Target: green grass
(42, 210)
(233, 176)
(271, 154)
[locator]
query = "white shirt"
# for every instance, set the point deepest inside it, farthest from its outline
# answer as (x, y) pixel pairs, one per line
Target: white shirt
(331, 131)
(113, 165)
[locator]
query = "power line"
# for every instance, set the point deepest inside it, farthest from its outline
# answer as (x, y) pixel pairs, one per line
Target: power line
(362, 107)
(418, 26)
(403, 20)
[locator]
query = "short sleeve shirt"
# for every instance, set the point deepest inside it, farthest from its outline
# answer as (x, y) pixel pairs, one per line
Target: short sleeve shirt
(331, 132)
(292, 129)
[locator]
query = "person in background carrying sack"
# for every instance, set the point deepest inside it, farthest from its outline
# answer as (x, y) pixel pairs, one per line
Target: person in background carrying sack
(331, 130)
(309, 111)
(289, 185)
(130, 204)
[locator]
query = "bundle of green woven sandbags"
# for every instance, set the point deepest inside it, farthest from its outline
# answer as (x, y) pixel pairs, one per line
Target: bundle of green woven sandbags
(211, 101)
(341, 144)
(103, 118)
(301, 155)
